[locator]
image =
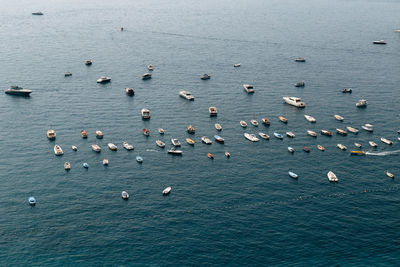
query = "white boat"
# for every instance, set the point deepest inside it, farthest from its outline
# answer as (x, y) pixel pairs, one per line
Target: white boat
(145, 113)
(243, 124)
(265, 121)
(105, 162)
(369, 125)
(139, 159)
(248, 88)
(175, 142)
(161, 131)
(352, 130)
(251, 137)
(332, 177)
(146, 76)
(206, 140)
(213, 111)
(338, 117)
(85, 165)
(227, 154)
(357, 145)
(95, 148)
(236, 65)
(150, 67)
(129, 91)
(386, 141)
(361, 103)
(278, 135)
(166, 191)
(103, 79)
(325, 132)
(58, 151)
(19, 91)
(372, 143)
(389, 174)
(67, 166)
(51, 134)
(74, 148)
(294, 101)
(311, 133)
(342, 147)
(254, 123)
(127, 146)
(112, 147)
(264, 136)
(300, 59)
(341, 132)
(32, 201)
(282, 119)
(160, 143)
(368, 129)
(290, 134)
(124, 195)
(186, 94)
(380, 42)
(99, 134)
(173, 151)
(218, 127)
(310, 118)
(290, 149)
(293, 175)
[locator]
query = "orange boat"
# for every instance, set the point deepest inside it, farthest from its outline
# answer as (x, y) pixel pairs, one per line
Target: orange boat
(84, 133)
(146, 132)
(209, 155)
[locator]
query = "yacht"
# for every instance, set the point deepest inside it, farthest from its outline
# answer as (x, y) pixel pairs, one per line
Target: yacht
(37, 13)
(32, 201)
(321, 147)
(219, 139)
(74, 148)
(99, 134)
(300, 84)
(84, 134)
(161, 131)
(105, 162)
(347, 90)
(129, 91)
(290, 134)
(361, 103)
(206, 140)
(160, 143)
(310, 118)
(124, 195)
(51, 134)
(341, 132)
(213, 111)
(190, 129)
(254, 123)
(236, 65)
(357, 145)
(311, 133)
(218, 127)
(67, 166)
(251, 137)
(373, 144)
(265, 121)
(16, 90)
(139, 159)
(186, 94)
(166, 191)
(278, 135)
(205, 77)
(68, 74)
(338, 117)
(85, 165)
(300, 59)
(145, 114)
(88, 62)
(282, 119)
(389, 174)
(293, 175)
(342, 147)
(146, 76)
(332, 177)
(264, 136)
(290, 149)
(112, 147)
(58, 151)
(95, 148)
(175, 142)
(210, 156)
(352, 130)
(150, 67)
(146, 132)
(386, 141)
(368, 129)
(173, 151)
(127, 146)
(189, 141)
(380, 42)
(248, 88)
(243, 124)
(325, 132)
(103, 79)
(294, 101)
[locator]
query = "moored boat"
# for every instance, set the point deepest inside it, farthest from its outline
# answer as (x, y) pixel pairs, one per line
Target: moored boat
(213, 111)
(145, 114)
(352, 130)
(160, 143)
(146, 76)
(129, 91)
(265, 121)
(389, 174)
(248, 88)
(310, 118)
(205, 76)
(51, 134)
(57, 150)
(206, 140)
(342, 147)
(95, 148)
(68, 74)
(332, 177)
(325, 132)
(99, 134)
(19, 91)
(74, 148)
(219, 139)
(361, 103)
(290, 134)
(67, 166)
(84, 134)
(300, 59)
(85, 165)
(145, 132)
(112, 147)
(321, 147)
(139, 159)
(306, 149)
(293, 175)
(251, 137)
(32, 201)
(105, 162)
(373, 144)
(386, 141)
(210, 156)
(300, 84)
(338, 117)
(189, 141)
(218, 127)
(186, 94)
(264, 136)
(278, 135)
(103, 79)
(161, 131)
(166, 191)
(243, 124)
(379, 42)
(254, 123)
(127, 146)
(173, 151)
(368, 129)
(294, 101)
(236, 65)
(227, 154)
(175, 142)
(341, 132)
(290, 149)
(311, 133)
(347, 90)
(282, 119)
(150, 67)
(357, 145)
(190, 129)
(88, 62)
(124, 195)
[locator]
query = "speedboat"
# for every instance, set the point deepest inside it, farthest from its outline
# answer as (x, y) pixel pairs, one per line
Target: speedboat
(227, 154)
(88, 62)
(160, 143)
(219, 139)
(357, 152)
(254, 123)
(205, 76)
(389, 174)
(173, 151)
(99, 134)
(146, 76)
(352, 130)
(139, 159)
(175, 142)
(361, 103)
(248, 88)
(321, 147)
(372, 143)
(342, 147)
(84, 134)
(282, 119)
(311, 133)
(103, 79)
(146, 132)
(58, 151)
(213, 111)
(386, 141)
(357, 145)
(293, 175)
(186, 94)
(368, 129)
(306, 149)
(310, 118)
(341, 132)
(206, 140)
(150, 67)
(74, 148)
(294, 101)
(332, 177)
(105, 162)
(265, 121)
(124, 195)
(145, 114)
(129, 91)
(278, 135)
(127, 146)
(190, 129)
(85, 165)
(210, 156)
(67, 166)
(264, 136)
(338, 117)
(251, 137)
(16, 90)
(243, 124)
(95, 148)
(347, 90)
(290, 149)
(68, 74)
(189, 141)
(300, 59)
(290, 134)
(51, 134)
(236, 65)
(218, 127)
(112, 147)
(37, 13)
(380, 42)
(161, 131)
(166, 191)
(32, 201)
(300, 84)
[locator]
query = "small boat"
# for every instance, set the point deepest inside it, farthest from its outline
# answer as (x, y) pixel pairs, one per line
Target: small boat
(398, 131)
(68, 74)
(190, 129)
(84, 134)
(386, 141)
(175, 142)
(74, 148)
(127, 146)
(103, 79)
(338, 117)
(352, 130)
(311, 133)
(99, 134)
(206, 140)
(294, 101)
(67, 166)
(210, 156)
(310, 118)
(112, 147)
(213, 111)
(32, 201)
(205, 76)
(361, 103)
(51, 134)
(129, 91)
(139, 159)
(300, 59)
(306, 149)
(173, 151)
(19, 91)
(325, 132)
(166, 191)
(186, 94)
(161, 131)
(373, 144)
(219, 139)
(380, 42)
(293, 175)
(37, 13)
(95, 148)
(160, 143)
(145, 113)
(124, 195)
(236, 65)
(146, 132)
(227, 154)
(347, 90)
(300, 84)
(357, 145)
(88, 62)
(105, 162)
(290, 134)
(243, 124)
(368, 125)
(251, 137)
(357, 152)
(278, 135)
(332, 177)
(248, 88)
(368, 129)
(290, 149)
(342, 147)
(341, 132)
(85, 165)
(265, 121)
(321, 147)
(146, 76)
(389, 174)
(254, 123)
(282, 119)
(264, 136)
(218, 127)
(190, 141)
(58, 151)
(150, 67)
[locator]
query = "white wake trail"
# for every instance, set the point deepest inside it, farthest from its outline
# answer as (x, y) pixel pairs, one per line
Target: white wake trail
(385, 153)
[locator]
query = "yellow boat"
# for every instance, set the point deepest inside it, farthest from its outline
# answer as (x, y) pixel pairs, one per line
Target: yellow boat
(356, 152)
(190, 141)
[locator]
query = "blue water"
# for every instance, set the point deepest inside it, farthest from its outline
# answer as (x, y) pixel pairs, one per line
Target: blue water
(245, 210)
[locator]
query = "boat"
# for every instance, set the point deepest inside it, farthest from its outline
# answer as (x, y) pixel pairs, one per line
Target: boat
(160, 143)
(37, 13)
(218, 127)
(205, 76)
(51, 134)
(145, 113)
(190, 129)
(264, 136)
(210, 156)
(325, 132)
(150, 67)
(175, 142)
(58, 151)
(380, 42)
(99, 134)
(372, 143)
(227, 154)
(146, 132)
(397, 30)
(248, 88)
(341, 132)
(16, 90)
(74, 148)
(306, 149)
(186, 94)
(310, 118)
(254, 123)
(398, 131)
(265, 121)
(173, 151)
(146, 76)
(139, 159)
(278, 135)
(290, 149)
(166, 191)
(103, 79)
(282, 119)
(342, 147)
(338, 117)
(300, 84)
(332, 177)
(361, 103)
(129, 91)
(293, 175)
(213, 111)
(68, 74)
(32, 201)
(386, 141)
(389, 174)
(124, 195)
(112, 147)
(251, 137)
(95, 148)
(243, 124)
(300, 59)
(219, 139)
(368, 129)
(290, 134)
(352, 130)
(368, 125)
(84, 134)
(357, 152)
(67, 166)
(189, 141)
(85, 165)
(311, 133)
(347, 90)
(294, 101)
(321, 147)
(236, 65)
(161, 131)
(357, 145)
(127, 146)
(206, 140)
(105, 162)
(88, 62)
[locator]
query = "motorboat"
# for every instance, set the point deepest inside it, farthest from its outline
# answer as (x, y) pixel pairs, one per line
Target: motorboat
(357, 152)
(150, 67)
(293, 175)
(300, 59)
(386, 141)
(210, 156)
(105, 162)
(146, 132)
(357, 145)
(352, 130)
(189, 141)
(311, 133)
(265, 121)
(103, 79)
(84, 134)
(373, 144)
(145, 113)
(282, 119)
(127, 146)
(310, 118)
(264, 136)
(85, 165)
(190, 129)
(161, 131)
(290, 149)
(219, 139)
(88, 62)
(173, 151)
(321, 147)
(166, 191)
(278, 135)
(290, 134)
(175, 142)
(341, 132)
(74, 148)
(254, 123)
(186, 94)
(248, 88)
(32, 201)
(206, 140)
(325, 132)
(338, 117)
(361, 103)
(342, 147)
(236, 65)
(205, 76)
(124, 195)
(37, 13)
(51, 134)
(160, 143)
(294, 101)
(227, 154)
(213, 111)
(332, 177)
(129, 91)
(58, 151)
(218, 127)
(112, 147)
(347, 90)
(306, 149)
(68, 74)
(99, 134)
(300, 84)
(67, 166)
(380, 42)
(146, 76)
(243, 124)
(19, 91)
(368, 129)
(251, 137)
(389, 174)
(95, 148)
(139, 159)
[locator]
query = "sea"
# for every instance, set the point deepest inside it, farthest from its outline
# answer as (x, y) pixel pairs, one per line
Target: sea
(239, 211)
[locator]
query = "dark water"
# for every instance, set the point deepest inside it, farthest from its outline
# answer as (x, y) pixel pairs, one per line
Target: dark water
(239, 211)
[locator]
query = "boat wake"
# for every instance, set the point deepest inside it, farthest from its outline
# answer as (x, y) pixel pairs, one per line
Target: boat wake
(386, 153)
(151, 150)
